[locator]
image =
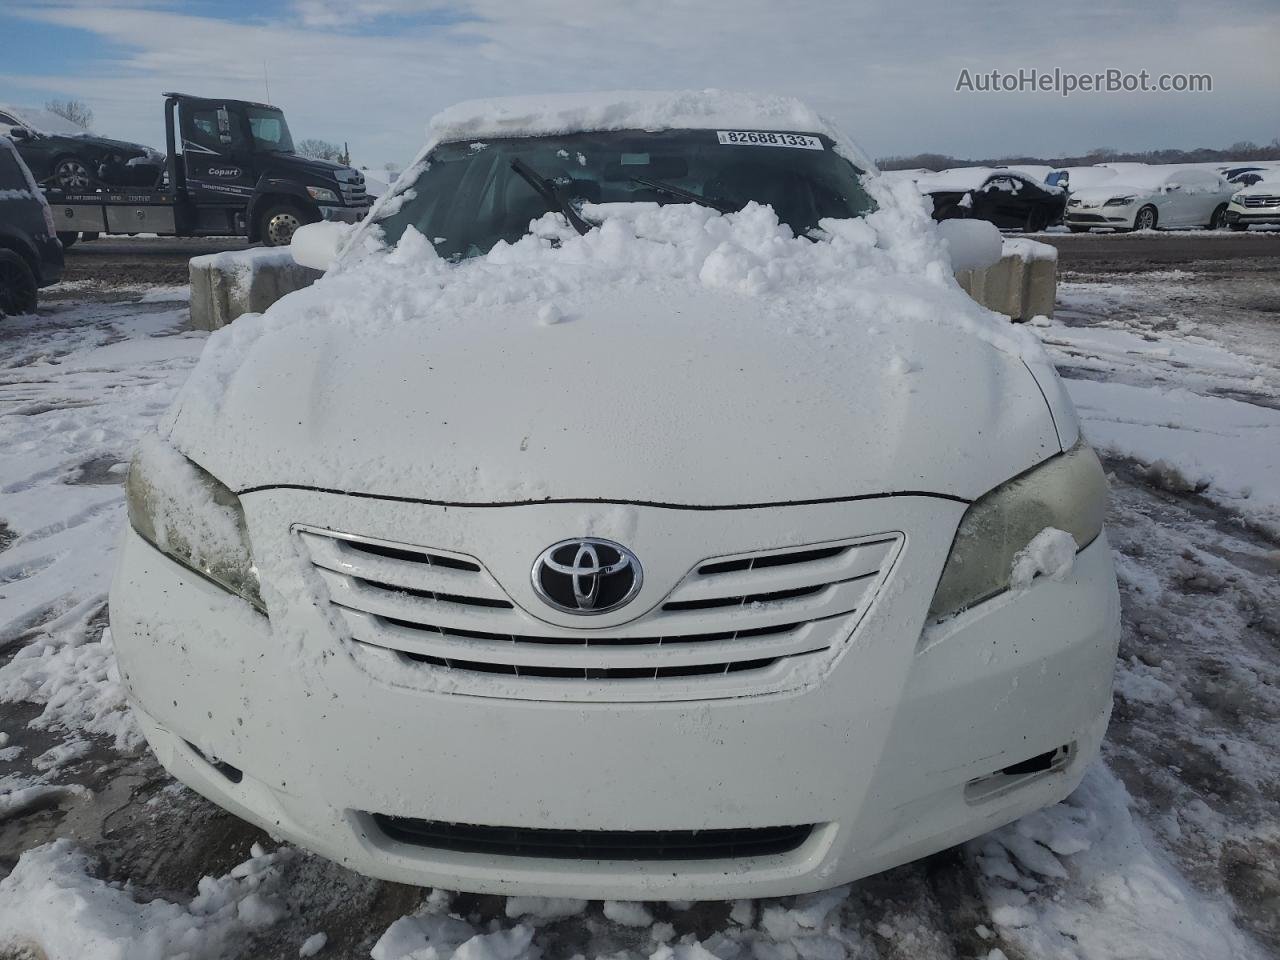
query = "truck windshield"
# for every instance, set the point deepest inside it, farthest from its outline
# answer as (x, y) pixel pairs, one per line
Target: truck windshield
(469, 197)
(269, 129)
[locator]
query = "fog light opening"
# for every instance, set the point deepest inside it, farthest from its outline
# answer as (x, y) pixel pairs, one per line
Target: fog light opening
(234, 774)
(1019, 774)
(1037, 764)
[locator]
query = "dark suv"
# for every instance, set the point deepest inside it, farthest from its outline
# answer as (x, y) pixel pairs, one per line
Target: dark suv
(30, 254)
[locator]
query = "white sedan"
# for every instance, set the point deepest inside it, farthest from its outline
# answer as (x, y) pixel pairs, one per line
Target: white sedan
(1152, 198)
(637, 509)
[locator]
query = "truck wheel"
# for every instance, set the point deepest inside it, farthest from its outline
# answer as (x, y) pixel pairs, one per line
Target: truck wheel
(68, 238)
(278, 223)
(72, 173)
(17, 285)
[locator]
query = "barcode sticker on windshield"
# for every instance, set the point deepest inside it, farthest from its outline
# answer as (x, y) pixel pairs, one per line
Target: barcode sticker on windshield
(757, 138)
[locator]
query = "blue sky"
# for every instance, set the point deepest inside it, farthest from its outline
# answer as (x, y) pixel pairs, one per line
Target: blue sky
(372, 71)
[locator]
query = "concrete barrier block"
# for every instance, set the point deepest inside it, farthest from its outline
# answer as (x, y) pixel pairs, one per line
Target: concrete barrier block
(226, 285)
(1023, 284)
(1042, 287)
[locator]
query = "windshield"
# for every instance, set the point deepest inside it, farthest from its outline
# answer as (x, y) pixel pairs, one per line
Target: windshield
(469, 197)
(269, 129)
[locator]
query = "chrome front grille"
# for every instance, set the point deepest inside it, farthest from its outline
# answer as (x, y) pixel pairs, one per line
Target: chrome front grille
(1272, 200)
(354, 195)
(351, 182)
(730, 626)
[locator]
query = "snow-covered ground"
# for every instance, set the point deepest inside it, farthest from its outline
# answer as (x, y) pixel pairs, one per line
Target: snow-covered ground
(1168, 850)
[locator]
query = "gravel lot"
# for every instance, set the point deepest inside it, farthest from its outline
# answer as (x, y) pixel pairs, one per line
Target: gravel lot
(1170, 849)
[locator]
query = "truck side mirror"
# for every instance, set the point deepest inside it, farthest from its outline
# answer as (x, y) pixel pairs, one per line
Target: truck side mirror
(317, 245)
(224, 125)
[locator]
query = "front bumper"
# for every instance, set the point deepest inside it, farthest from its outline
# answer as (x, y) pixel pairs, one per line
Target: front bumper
(881, 750)
(1260, 215)
(343, 214)
(1100, 216)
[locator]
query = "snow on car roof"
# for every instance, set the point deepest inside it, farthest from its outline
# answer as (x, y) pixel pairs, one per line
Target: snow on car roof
(42, 121)
(1156, 175)
(959, 179)
(551, 114)
(1035, 171)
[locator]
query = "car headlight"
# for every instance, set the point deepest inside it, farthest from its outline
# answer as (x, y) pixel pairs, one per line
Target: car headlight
(185, 513)
(1068, 492)
(1119, 201)
(323, 195)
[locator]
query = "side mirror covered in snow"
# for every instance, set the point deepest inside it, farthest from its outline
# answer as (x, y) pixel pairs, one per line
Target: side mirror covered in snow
(317, 245)
(973, 244)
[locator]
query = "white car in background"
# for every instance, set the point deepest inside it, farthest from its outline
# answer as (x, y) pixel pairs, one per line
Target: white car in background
(1259, 203)
(636, 509)
(1151, 198)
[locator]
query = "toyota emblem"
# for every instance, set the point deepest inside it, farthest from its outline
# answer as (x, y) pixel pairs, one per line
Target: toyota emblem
(587, 576)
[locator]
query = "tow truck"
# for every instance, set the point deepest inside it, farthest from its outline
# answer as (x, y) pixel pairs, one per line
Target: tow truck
(230, 170)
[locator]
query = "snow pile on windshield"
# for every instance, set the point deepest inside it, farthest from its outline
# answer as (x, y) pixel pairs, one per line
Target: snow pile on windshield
(862, 277)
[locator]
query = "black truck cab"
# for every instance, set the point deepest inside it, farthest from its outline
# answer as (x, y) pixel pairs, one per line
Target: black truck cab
(238, 173)
(230, 170)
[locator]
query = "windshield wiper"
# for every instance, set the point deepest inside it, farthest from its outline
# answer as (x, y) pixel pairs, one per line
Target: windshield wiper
(687, 196)
(548, 191)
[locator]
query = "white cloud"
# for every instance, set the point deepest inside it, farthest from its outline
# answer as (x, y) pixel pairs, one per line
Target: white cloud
(372, 71)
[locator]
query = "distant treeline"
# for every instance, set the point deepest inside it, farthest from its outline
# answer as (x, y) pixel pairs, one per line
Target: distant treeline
(1244, 150)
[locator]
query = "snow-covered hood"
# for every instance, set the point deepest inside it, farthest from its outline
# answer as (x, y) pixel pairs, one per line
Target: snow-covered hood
(676, 357)
(1263, 188)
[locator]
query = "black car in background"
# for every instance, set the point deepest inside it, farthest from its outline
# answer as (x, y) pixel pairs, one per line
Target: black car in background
(1245, 176)
(64, 155)
(30, 254)
(1007, 198)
